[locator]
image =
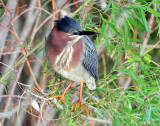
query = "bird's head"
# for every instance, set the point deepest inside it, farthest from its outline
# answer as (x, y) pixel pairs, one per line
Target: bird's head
(71, 28)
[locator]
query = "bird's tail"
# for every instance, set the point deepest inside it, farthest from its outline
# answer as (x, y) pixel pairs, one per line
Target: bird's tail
(91, 83)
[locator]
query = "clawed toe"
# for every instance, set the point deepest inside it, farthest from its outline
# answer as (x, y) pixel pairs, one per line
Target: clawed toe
(75, 105)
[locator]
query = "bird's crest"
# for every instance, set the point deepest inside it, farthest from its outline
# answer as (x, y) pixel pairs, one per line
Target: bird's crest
(67, 24)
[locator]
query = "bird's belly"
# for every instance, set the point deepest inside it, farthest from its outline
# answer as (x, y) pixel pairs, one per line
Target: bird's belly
(76, 74)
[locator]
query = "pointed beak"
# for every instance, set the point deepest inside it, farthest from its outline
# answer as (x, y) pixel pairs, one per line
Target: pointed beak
(84, 33)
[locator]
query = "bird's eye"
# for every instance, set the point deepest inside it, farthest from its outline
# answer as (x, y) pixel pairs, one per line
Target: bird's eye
(71, 31)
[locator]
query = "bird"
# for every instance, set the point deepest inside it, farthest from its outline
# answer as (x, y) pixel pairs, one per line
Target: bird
(73, 55)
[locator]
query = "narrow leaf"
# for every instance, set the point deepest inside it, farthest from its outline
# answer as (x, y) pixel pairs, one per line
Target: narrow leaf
(126, 34)
(156, 14)
(107, 7)
(144, 20)
(113, 13)
(112, 26)
(139, 26)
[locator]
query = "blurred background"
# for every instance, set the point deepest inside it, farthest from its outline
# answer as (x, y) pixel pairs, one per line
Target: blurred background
(128, 91)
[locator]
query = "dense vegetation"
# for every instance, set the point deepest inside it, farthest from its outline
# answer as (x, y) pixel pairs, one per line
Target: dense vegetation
(128, 43)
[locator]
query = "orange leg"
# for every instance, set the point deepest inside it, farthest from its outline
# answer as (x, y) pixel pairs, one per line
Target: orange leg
(64, 92)
(80, 98)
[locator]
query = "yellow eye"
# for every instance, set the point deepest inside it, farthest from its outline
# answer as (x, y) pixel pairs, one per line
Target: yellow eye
(71, 31)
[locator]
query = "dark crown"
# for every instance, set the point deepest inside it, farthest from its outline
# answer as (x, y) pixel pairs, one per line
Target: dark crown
(66, 24)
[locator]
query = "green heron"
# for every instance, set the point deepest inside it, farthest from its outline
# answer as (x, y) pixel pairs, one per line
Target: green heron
(73, 55)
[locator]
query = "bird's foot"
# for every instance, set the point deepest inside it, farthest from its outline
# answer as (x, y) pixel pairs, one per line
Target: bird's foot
(76, 104)
(61, 98)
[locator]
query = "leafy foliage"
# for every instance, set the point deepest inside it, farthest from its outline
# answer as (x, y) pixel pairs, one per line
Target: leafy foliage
(138, 102)
(128, 91)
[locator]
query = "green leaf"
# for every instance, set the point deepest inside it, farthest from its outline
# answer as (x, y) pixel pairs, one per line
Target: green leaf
(45, 64)
(137, 40)
(134, 14)
(131, 60)
(5, 88)
(105, 35)
(112, 26)
(115, 122)
(72, 122)
(60, 117)
(117, 86)
(1, 11)
(141, 0)
(148, 75)
(130, 25)
(155, 1)
(116, 62)
(8, 80)
(99, 91)
(144, 20)
(107, 7)
(113, 14)
(147, 116)
(126, 35)
(156, 14)
(129, 106)
(34, 42)
(133, 22)
(147, 58)
(40, 50)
